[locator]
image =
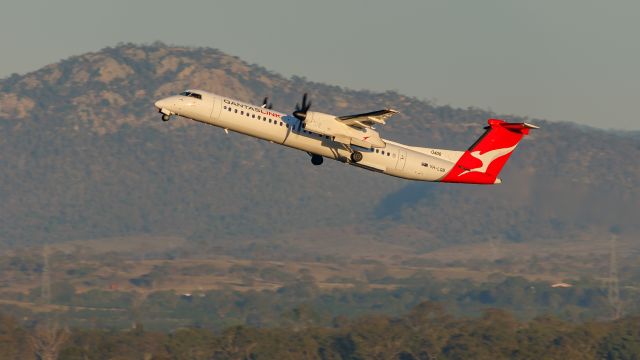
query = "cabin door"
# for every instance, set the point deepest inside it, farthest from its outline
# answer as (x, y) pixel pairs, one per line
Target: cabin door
(402, 158)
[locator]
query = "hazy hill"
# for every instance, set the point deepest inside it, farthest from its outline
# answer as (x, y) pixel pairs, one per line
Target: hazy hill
(85, 155)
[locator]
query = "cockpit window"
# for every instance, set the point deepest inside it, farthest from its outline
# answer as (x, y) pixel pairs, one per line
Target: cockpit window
(191, 94)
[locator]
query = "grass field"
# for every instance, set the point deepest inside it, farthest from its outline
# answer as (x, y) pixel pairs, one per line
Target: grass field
(110, 264)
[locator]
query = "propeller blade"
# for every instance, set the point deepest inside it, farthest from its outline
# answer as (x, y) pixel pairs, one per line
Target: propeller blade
(300, 115)
(266, 104)
(301, 110)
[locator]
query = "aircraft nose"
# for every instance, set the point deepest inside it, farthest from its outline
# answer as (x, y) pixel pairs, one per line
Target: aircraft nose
(160, 104)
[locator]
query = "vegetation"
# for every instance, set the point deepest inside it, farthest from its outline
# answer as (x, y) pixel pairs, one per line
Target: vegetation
(425, 332)
(114, 291)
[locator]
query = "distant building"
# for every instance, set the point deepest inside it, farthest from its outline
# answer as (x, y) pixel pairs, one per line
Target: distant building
(561, 285)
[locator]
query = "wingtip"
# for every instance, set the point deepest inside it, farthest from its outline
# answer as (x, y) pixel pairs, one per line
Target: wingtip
(531, 126)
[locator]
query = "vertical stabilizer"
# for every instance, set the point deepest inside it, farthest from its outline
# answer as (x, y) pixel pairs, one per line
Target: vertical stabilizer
(482, 162)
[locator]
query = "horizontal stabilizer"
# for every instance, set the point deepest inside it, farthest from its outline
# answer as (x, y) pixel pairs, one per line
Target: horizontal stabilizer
(522, 128)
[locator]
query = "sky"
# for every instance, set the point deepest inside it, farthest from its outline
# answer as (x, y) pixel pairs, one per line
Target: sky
(562, 60)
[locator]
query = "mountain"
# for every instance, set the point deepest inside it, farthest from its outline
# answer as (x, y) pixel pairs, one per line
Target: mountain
(85, 155)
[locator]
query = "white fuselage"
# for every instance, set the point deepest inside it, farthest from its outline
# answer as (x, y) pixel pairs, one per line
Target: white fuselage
(394, 159)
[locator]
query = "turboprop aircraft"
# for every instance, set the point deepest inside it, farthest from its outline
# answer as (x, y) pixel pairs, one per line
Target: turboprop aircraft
(352, 139)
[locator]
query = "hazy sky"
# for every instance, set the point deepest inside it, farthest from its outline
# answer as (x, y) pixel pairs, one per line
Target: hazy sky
(573, 60)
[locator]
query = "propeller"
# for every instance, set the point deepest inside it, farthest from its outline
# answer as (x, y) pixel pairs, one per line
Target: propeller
(266, 104)
(301, 111)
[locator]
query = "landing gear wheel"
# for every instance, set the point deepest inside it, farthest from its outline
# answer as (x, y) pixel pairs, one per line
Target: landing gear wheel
(165, 117)
(316, 160)
(356, 156)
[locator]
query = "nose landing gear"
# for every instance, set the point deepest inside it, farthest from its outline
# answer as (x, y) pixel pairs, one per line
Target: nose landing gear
(165, 117)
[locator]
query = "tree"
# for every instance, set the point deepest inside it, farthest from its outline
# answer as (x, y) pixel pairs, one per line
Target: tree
(47, 340)
(237, 343)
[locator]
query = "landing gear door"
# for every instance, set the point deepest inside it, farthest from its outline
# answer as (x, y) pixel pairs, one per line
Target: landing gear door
(217, 107)
(402, 158)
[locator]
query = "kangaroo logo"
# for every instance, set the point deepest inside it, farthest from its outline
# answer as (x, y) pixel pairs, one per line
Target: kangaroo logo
(487, 158)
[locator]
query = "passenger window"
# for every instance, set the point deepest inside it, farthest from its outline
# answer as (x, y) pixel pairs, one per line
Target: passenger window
(287, 126)
(241, 112)
(388, 154)
(377, 151)
(248, 114)
(253, 116)
(269, 121)
(382, 152)
(235, 110)
(229, 108)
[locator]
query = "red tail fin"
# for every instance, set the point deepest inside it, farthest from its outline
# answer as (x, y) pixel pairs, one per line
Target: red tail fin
(482, 163)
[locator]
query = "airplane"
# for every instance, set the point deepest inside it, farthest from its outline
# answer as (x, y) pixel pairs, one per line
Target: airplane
(352, 139)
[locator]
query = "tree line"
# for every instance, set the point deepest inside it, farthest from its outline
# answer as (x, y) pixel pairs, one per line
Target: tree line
(426, 332)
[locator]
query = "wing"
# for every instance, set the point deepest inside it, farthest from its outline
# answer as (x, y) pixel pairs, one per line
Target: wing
(368, 119)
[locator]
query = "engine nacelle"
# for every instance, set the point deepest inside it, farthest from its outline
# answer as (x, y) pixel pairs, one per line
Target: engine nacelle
(322, 123)
(330, 125)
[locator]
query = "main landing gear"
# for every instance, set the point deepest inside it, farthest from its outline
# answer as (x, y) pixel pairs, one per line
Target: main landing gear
(356, 156)
(316, 159)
